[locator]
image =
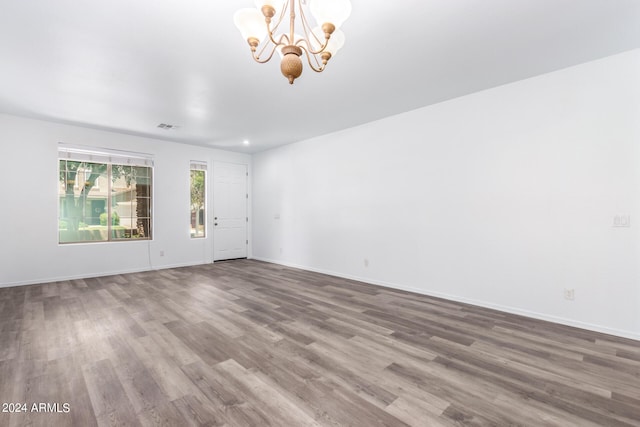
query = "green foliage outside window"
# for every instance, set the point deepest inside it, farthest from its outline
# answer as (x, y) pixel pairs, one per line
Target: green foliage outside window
(115, 218)
(198, 200)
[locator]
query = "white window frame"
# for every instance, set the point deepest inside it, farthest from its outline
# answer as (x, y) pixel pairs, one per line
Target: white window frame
(196, 165)
(110, 158)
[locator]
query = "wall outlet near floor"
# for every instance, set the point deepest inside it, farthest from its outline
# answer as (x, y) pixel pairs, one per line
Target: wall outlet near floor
(622, 221)
(366, 262)
(161, 253)
(569, 294)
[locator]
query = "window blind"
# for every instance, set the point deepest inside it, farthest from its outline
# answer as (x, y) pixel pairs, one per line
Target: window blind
(197, 165)
(103, 155)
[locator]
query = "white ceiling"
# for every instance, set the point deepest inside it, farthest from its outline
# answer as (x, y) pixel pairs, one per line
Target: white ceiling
(128, 65)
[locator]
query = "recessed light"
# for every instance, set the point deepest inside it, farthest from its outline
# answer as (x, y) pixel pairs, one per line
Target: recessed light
(245, 142)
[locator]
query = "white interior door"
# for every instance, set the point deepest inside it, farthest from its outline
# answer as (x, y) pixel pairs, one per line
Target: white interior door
(229, 211)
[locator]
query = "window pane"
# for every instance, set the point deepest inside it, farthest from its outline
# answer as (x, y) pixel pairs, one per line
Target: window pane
(132, 202)
(142, 181)
(198, 217)
(144, 229)
(83, 200)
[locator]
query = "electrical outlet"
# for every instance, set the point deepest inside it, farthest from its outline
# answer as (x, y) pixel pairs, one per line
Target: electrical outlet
(161, 253)
(622, 221)
(569, 294)
(366, 262)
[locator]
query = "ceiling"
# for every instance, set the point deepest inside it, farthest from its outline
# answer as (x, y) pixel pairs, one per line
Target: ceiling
(127, 66)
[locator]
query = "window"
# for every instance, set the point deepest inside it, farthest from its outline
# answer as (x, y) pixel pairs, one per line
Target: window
(104, 196)
(198, 180)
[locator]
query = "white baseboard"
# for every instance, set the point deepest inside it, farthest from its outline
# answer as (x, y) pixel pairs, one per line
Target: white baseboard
(507, 309)
(100, 274)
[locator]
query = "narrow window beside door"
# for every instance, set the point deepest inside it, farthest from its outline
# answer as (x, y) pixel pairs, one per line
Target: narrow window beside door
(198, 179)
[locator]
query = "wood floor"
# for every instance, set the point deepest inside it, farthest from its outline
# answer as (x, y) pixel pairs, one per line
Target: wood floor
(247, 343)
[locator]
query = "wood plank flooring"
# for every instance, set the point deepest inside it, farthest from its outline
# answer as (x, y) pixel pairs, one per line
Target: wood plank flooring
(247, 343)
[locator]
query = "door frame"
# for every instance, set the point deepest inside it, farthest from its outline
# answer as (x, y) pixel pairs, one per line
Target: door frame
(248, 206)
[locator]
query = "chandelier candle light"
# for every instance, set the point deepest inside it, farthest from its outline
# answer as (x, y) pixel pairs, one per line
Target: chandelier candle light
(259, 27)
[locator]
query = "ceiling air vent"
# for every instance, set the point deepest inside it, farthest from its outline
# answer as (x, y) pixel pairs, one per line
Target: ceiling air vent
(166, 126)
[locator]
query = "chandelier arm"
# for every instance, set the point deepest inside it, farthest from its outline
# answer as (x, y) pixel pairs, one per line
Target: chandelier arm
(305, 23)
(282, 13)
(262, 61)
(272, 31)
(306, 29)
(319, 68)
(315, 52)
(259, 54)
(311, 54)
(275, 43)
(305, 42)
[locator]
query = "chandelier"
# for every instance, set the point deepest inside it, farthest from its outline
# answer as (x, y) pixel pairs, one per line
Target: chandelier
(260, 27)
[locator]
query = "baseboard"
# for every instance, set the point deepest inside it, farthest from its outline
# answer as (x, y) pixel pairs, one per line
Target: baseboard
(507, 309)
(101, 274)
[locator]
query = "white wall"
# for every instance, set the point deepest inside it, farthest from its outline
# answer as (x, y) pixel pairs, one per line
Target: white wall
(503, 198)
(29, 250)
